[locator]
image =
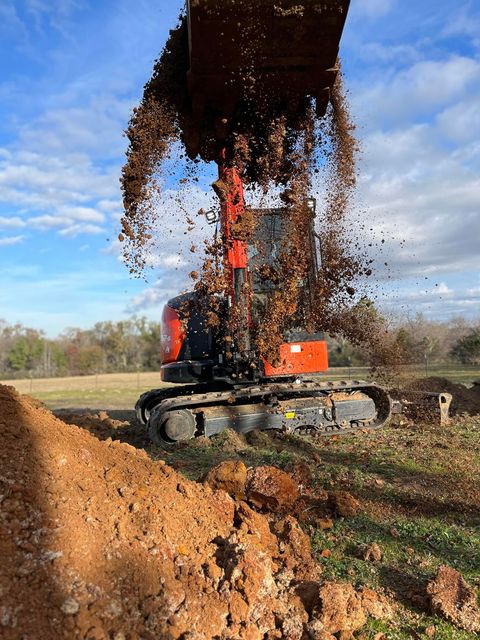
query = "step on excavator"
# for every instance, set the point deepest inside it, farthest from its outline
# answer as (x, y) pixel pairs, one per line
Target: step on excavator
(225, 381)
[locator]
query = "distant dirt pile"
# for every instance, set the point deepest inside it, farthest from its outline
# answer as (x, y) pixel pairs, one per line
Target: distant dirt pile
(465, 400)
(99, 542)
(273, 147)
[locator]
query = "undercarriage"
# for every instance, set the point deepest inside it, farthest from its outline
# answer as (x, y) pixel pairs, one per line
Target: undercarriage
(301, 407)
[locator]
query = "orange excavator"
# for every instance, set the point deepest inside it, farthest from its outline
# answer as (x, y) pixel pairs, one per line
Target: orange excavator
(275, 46)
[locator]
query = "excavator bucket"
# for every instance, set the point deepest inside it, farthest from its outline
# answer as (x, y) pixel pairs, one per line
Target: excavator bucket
(423, 406)
(284, 49)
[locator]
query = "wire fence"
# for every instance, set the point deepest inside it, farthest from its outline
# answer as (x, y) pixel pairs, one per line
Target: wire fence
(465, 374)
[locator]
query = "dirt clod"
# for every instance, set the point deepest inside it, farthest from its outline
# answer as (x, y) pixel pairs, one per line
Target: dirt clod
(339, 608)
(230, 476)
(372, 553)
(453, 598)
(271, 489)
(344, 504)
(376, 605)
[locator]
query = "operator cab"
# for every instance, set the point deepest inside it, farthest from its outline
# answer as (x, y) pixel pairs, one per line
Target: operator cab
(192, 352)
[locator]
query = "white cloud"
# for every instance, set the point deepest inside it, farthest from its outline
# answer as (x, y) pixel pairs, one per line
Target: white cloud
(85, 214)
(461, 121)
(44, 223)
(379, 53)
(12, 240)
(412, 93)
(71, 221)
(75, 230)
(440, 302)
(419, 182)
(13, 222)
(444, 289)
(59, 187)
(374, 8)
(56, 14)
(9, 19)
(464, 22)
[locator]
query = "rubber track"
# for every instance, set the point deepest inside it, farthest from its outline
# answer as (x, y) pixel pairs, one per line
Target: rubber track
(186, 398)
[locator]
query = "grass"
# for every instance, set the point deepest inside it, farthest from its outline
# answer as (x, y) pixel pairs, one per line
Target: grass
(118, 398)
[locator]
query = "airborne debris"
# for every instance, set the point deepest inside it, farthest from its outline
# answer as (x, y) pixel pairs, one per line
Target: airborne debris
(274, 147)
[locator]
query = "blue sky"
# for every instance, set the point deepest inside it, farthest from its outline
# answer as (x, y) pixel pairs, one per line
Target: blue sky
(70, 72)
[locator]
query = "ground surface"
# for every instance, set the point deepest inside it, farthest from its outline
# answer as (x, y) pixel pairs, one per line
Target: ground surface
(419, 487)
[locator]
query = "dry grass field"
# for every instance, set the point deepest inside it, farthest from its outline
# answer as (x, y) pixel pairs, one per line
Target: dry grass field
(121, 390)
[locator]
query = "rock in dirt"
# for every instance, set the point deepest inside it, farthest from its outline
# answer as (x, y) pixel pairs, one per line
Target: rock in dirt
(316, 631)
(344, 504)
(454, 599)
(295, 544)
(339, 608)
(230, 476)
(271, 489)
(324, 523)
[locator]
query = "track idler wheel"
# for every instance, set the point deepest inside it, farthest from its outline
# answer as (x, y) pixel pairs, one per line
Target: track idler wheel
(171, 426)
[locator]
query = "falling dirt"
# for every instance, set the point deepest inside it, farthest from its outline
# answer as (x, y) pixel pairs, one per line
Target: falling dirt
(273, 145)
(98, 541)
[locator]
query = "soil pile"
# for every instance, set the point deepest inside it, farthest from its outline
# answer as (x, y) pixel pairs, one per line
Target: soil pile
(97, 541)
(465, 400)
(454, 599)
(273, 144)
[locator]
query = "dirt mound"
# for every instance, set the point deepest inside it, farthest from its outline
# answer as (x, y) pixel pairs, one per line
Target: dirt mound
(465, 400)
(453, 598)
(98, 541)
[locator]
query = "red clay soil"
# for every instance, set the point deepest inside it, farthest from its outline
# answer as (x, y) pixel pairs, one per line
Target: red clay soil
(97, 541)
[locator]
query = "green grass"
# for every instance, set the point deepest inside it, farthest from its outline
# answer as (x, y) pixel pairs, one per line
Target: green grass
(121, 398)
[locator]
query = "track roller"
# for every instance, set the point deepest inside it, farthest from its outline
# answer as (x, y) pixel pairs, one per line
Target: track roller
(171, 427)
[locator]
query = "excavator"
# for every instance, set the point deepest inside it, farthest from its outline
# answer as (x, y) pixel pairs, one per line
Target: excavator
(223, 380)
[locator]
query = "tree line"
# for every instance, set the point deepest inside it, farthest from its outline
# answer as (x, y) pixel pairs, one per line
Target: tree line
(134, 345)
(128, 345)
